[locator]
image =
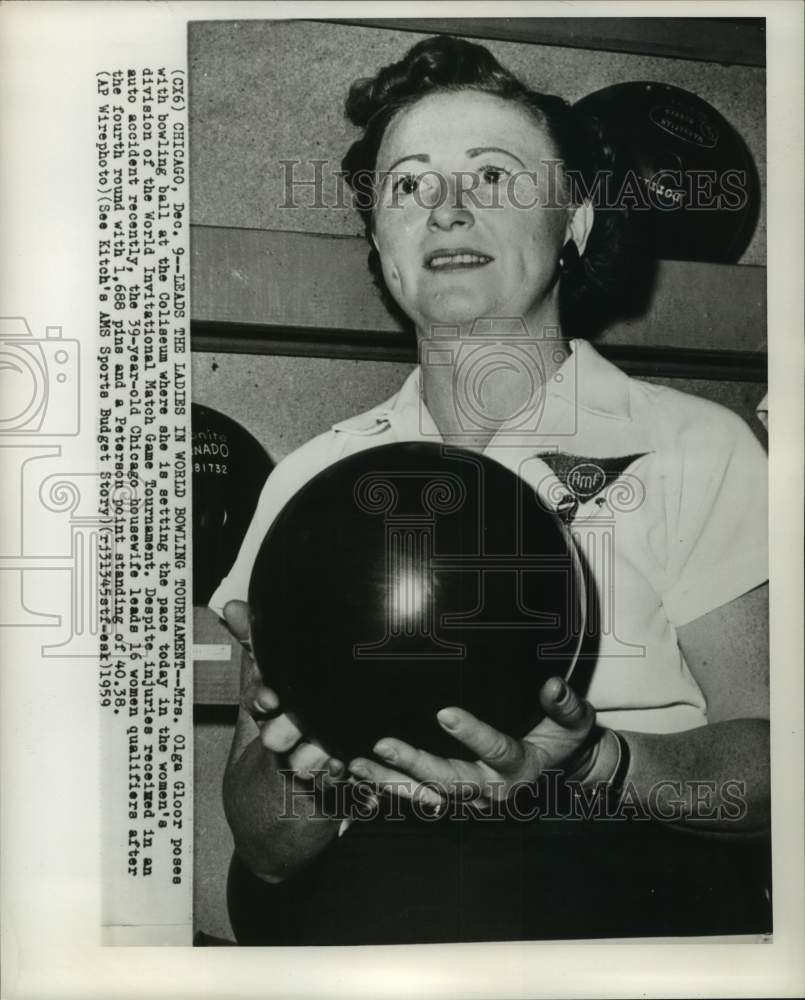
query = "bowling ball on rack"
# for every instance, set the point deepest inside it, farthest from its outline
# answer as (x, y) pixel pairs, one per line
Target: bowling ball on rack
(229, 470)
(691, 175)
(408, 578)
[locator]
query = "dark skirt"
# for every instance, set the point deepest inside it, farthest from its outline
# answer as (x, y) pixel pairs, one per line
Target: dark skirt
(412, 881)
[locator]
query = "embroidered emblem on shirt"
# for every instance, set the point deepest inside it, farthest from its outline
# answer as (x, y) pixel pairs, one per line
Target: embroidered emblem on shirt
(586, 477)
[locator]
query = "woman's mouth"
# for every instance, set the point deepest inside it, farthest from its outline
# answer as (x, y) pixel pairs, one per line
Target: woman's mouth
(455, 260)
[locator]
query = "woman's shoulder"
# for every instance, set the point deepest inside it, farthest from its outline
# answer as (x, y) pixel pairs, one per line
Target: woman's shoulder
(686, 418)
(303, 463)
(364, 430)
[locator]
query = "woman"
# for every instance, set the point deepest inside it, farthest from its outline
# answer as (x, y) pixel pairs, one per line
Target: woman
(472, 190)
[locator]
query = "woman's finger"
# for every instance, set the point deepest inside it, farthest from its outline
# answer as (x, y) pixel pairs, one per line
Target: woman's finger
(389, 780)
(459, 778)
(237, 619)
(260, 701)
(497, 750)
(312, 761)
(280, 734)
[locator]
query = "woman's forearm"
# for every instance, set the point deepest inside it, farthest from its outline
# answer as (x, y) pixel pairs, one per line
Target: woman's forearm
(714, 779)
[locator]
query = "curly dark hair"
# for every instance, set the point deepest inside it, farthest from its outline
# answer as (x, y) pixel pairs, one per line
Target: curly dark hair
(604, 283)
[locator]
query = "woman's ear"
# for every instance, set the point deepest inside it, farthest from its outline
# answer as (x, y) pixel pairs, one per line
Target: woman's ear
(392, 275)
(579, 225)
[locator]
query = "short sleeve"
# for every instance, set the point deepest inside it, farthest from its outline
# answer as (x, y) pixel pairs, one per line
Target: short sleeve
(717, 517)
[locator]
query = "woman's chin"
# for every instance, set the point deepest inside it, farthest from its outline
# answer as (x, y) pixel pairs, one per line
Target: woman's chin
(457, 313)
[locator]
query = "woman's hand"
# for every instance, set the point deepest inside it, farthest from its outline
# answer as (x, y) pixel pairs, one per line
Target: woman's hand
(561, 740)
(279, 731)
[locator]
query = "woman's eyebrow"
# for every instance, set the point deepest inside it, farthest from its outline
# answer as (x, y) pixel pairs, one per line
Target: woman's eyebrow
(477, 151)
(420, 157)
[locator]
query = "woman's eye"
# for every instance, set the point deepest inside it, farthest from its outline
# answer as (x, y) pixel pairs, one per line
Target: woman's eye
(406, 184)
(493, 175)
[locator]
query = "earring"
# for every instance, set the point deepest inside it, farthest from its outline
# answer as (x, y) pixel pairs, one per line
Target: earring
(569, 257)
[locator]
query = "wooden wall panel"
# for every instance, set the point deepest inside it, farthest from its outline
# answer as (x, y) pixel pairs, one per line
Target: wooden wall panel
(258, 291)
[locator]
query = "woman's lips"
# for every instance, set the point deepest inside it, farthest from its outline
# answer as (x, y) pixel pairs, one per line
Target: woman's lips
(455, 260)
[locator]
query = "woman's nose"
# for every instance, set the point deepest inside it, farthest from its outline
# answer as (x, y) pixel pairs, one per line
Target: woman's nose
(450, 207)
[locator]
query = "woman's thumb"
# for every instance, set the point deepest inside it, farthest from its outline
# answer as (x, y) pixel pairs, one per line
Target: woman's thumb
(561, 703)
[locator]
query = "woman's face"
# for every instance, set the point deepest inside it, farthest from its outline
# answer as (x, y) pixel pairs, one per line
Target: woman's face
(461, 222)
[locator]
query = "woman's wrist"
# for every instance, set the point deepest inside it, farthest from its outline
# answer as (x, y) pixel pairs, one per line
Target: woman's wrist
(585, 759)
(603, 760)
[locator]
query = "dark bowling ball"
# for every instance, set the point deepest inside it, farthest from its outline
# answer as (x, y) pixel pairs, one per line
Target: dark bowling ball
(694, 176)
(230, 468)
(408, 578)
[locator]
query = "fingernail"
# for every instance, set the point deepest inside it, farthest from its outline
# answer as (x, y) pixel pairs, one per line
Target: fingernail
(562, 694)
(386, 751)
(448, 718)
(336, 767)
(432, 802)
(359, 767)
